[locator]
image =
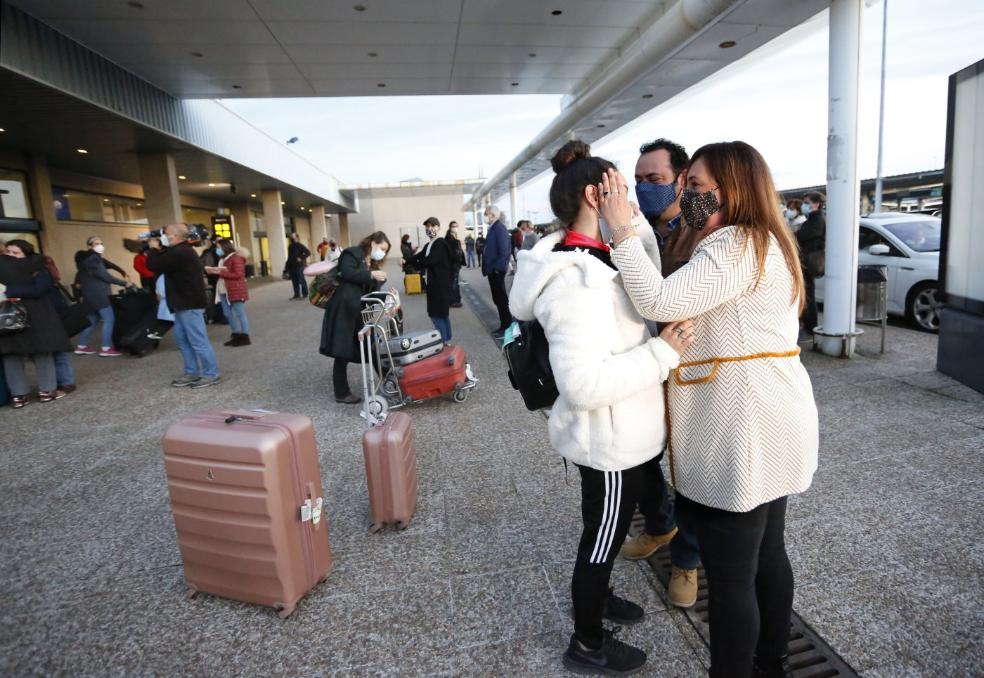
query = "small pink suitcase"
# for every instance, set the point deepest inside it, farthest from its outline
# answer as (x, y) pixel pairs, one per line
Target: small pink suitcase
(390, 451)
(248, 505)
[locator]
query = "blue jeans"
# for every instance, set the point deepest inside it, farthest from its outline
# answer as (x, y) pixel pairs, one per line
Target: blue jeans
(443, 325)
(298, 281)
(63, 369)
(235, 313)
(192, 340)
(108, 320)
(655, 504)
(470, 258)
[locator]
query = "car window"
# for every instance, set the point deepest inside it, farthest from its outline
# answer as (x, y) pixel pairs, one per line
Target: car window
(869, 237)
(920, 236)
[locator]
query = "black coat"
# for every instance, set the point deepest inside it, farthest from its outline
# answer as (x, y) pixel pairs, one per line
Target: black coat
(457, 254)
(29, 280)
(812, 235)
(437, 266)
(297, 255)
(343, 315)
(184, 276)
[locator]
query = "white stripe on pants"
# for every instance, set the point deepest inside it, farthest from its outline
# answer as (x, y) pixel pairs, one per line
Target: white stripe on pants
(609, 518)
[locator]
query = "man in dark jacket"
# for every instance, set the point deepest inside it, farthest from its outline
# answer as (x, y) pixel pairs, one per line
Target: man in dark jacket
(495, 264)
(94, 282)
(184, 283)
(435, 260)
(297, 256)
(812, 239)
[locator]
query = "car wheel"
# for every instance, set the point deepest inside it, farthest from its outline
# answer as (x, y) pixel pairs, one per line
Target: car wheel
(923, 307)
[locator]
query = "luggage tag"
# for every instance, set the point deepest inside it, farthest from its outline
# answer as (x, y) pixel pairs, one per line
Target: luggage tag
(306, 511)
(316, 510)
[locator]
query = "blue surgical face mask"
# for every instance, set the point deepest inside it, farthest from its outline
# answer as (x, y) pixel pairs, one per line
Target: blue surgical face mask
(655, 198)
(218, 250)
(378, 255)
(806, 208)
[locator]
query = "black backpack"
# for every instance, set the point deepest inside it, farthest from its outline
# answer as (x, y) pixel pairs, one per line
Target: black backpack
(528, 357)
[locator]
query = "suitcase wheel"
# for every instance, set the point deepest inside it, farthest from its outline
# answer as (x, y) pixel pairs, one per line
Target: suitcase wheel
(283, 611)
(376, 528)
(191, 593)
(459, 395)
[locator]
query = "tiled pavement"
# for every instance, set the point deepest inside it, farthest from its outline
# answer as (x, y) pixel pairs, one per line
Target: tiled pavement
(884, 545)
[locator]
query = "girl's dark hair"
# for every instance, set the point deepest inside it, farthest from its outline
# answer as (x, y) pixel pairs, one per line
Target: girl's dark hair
(406, 237)
(24, 246)
(575, 168)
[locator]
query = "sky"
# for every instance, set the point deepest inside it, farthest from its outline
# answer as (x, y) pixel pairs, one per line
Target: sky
(774, 99)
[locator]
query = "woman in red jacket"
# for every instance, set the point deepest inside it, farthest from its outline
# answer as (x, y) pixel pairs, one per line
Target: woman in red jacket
(232, 291)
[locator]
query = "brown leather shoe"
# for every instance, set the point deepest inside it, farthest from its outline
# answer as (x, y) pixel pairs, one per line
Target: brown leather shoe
(682, 590)
(350, 399)
(646, 545)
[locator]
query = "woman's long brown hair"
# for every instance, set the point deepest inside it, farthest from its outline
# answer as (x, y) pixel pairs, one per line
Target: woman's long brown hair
(749, 201)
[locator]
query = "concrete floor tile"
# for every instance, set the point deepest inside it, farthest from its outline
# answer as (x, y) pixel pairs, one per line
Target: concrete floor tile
(501, 606)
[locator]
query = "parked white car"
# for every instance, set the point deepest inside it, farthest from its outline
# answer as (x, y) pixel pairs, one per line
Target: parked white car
(909, 245)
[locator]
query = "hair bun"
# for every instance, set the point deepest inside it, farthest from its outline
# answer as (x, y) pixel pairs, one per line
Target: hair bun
(570, 153)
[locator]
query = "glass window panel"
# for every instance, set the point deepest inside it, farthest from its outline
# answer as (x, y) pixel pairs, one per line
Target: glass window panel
(14, 203)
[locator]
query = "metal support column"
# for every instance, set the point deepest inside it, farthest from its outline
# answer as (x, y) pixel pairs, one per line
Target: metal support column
(837, 335)
(512, 200)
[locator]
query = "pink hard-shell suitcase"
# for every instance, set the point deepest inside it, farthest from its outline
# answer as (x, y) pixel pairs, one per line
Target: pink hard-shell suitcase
(248, 506)
(390, 452)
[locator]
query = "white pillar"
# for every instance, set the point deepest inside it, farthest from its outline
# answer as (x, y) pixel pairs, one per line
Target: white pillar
(273, 223)
(837, 335)
(162, 199)
(512, 200)
(319, 226)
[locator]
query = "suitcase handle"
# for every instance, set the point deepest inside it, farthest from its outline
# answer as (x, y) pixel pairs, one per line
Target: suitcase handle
(233, 416)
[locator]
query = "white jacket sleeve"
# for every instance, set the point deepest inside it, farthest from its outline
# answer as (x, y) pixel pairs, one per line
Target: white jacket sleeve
(717, 273)
(588, 375)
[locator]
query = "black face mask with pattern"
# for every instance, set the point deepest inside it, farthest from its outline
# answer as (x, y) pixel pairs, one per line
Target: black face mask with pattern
(697, 208)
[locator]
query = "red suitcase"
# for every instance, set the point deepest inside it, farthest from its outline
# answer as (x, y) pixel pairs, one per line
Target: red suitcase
(438, 375)
(390, 452)
(248, 506)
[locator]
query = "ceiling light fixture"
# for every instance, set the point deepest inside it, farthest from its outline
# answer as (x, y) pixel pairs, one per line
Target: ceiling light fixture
(514, 84)
(283, 203)
(2, 129)
(252, 195)
(381, 84)
(211, 185)
(727, 44)
(557, 12)
(182, 177)
(237, 86)
(82, 151)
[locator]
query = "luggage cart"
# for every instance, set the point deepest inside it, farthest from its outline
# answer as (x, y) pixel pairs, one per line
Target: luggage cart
(383, 391)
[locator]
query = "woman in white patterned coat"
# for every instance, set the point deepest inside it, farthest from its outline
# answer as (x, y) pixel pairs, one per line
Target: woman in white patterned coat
(743, 422)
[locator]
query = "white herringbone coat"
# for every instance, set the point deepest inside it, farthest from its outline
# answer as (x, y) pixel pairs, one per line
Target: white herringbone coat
(609, 370)
(749, 435)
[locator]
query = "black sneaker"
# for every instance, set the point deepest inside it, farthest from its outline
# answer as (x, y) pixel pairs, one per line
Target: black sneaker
(622, 611)
(777, 668)
(614, 658)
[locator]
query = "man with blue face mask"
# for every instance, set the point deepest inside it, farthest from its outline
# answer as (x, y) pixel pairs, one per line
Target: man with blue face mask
(661, 175)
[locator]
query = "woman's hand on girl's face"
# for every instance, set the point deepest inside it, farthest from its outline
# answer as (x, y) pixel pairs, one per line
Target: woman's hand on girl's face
(679, 335)
(613, 199)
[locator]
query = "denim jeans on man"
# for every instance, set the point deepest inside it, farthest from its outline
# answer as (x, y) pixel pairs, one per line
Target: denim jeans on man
(443, 325)
(63, 369)
(298, 281)
(108, 320)
(192, 339)
(235, 313)
(655, 504)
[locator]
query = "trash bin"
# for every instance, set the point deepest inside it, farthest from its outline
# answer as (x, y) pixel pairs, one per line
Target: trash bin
(872, 304)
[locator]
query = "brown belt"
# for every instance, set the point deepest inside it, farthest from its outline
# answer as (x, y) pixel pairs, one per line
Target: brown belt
(716, 362)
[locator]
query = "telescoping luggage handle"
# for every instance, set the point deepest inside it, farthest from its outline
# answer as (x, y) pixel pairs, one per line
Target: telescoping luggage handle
(313, 507)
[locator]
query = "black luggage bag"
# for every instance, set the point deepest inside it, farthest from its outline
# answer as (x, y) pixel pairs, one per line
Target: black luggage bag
(136, 317)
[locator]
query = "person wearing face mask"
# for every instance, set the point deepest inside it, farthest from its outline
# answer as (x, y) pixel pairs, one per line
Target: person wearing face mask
(436, 261)
(812, 239)
(94, 282)
(457, 261)
(495, 257)
(210, 256)
(609, 416)
(297, 256)
(742, 418)
(231, 289)
(360, 271)
(794, 214)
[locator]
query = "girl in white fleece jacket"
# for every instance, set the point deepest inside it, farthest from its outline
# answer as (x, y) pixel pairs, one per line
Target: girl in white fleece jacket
(609, 417)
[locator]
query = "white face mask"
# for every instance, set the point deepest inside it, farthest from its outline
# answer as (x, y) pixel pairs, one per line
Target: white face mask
(806, 208)
(378, 254)
(98, 249)
(790, 214)
(165, 242)
(454, 232)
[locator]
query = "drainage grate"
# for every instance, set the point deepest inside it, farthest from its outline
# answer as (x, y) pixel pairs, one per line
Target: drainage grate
(484, 310)
(809, 655)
